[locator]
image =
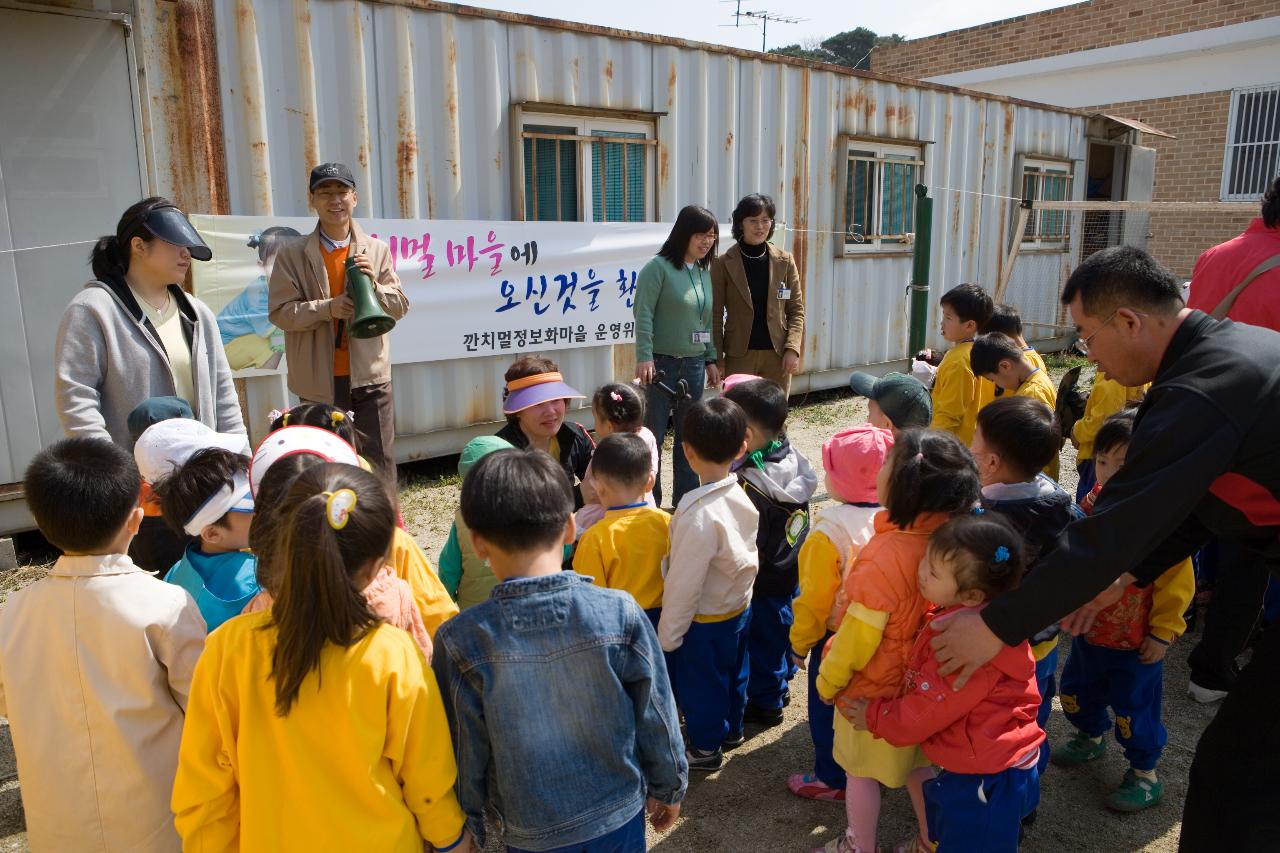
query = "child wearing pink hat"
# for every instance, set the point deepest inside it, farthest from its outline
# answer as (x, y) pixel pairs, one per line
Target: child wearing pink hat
(852, 459)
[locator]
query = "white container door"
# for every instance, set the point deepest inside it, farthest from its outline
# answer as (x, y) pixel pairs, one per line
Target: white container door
(69, 166)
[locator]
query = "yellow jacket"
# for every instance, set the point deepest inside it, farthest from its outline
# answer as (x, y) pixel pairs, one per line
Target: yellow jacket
(624, 550)
(1039, 386)
(955, 394)
(1105, 399)
(821, 573)
(363, 761)
(409, 562)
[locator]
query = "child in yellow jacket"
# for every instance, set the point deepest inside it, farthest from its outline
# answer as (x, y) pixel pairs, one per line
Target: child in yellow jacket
(852, 460)
(1119, 663)
(955, 389)
(998, 357)
(1106, 397)
(315, 725)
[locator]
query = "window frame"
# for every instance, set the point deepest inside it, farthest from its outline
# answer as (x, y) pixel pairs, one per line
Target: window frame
(1231, 148)
(587, 125)
(1046, 166)
(878, 147)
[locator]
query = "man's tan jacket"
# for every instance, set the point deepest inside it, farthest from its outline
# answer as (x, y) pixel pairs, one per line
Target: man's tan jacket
(299, 307)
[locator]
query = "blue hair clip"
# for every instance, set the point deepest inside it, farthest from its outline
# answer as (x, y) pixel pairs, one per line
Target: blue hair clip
(977, 510)
(1002, 554)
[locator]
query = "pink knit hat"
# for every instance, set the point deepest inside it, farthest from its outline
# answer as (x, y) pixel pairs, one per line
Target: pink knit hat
(853, 458)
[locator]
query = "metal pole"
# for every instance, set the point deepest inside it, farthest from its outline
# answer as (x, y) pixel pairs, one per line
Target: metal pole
(919, 287)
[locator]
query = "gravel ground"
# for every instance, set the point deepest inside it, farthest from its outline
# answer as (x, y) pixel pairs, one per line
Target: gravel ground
(746, 806)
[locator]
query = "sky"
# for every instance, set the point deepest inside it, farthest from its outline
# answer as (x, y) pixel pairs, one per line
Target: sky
(713, 20)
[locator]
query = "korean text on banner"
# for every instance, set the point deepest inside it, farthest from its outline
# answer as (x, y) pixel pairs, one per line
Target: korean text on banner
(474, 288)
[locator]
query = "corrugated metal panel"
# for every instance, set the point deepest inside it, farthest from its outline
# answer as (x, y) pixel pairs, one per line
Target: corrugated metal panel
(420, 101)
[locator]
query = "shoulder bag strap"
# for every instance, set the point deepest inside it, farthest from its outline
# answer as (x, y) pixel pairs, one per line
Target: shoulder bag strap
(1224, 307)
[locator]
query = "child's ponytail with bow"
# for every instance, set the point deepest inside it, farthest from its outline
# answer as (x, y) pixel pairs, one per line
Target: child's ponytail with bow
(336, 523)
(621, 405)
(985, 549)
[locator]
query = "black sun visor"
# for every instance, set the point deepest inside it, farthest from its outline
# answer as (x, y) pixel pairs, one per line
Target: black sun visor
(171, 226)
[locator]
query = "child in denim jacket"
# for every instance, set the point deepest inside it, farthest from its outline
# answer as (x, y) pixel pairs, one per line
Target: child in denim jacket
(556, 690)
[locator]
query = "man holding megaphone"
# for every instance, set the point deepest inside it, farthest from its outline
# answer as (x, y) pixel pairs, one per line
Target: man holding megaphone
(335, 295)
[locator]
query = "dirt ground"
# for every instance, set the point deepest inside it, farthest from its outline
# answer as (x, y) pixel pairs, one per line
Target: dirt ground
(746, 806)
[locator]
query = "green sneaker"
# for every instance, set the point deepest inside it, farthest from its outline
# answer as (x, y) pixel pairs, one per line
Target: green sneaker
(1081, 749)
(1135, 794)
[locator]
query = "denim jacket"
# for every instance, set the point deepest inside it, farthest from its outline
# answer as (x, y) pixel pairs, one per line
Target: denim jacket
(561, 712)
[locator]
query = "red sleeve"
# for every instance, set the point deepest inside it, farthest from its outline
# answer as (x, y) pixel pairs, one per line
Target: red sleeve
(931, 706)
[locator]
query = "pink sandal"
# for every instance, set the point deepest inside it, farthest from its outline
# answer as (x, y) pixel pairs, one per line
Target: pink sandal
(811, 787)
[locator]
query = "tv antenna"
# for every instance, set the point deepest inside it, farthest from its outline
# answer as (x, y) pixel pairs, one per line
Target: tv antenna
(764, 17)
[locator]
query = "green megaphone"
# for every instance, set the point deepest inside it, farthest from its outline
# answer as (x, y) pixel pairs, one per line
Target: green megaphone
(369, 320)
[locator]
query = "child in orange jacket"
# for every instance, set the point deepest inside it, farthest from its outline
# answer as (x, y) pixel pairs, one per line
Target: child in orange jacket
(928, 478)
(984, 736)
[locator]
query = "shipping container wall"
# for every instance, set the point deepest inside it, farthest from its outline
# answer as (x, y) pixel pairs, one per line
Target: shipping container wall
(422, 103)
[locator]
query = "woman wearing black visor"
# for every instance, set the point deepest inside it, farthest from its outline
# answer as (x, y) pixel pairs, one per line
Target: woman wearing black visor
(132, 333)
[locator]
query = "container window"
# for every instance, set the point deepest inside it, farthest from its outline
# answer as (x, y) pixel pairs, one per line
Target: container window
(1044, 180)
(585, 169)
(879, 196)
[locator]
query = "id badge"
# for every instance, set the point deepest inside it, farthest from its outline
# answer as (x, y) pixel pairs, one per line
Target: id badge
(702, 337)
(784, 293)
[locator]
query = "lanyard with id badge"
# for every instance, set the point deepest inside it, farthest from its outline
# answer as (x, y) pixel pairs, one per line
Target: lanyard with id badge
(699, 336)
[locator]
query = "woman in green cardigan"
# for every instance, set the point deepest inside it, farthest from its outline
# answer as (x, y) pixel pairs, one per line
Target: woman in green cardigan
(673, 332)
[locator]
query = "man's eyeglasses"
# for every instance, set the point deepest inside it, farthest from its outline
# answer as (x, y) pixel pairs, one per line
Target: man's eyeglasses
(1083, 343)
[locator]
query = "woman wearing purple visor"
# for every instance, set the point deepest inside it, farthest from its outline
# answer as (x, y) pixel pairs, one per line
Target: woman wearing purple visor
(534, 401)
(132, 333)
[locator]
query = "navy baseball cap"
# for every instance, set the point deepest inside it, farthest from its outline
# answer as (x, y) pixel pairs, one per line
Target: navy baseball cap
(331, 172)
(902, 398)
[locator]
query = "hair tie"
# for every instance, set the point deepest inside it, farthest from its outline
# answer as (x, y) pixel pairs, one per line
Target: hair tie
(920, 456)
(1002, 554)
(338, 506)
(284, 419)
(978, 510)
(336, 417)
(615, 396)
(351, 416)
(274, 415)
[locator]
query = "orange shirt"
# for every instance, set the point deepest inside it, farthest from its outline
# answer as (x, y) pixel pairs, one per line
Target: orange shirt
(335, 264)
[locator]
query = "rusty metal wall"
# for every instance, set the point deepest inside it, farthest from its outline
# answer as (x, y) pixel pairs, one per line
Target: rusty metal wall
(420, 100)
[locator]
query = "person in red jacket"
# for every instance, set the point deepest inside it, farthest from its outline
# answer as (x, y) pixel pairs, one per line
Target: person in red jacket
(984, 735)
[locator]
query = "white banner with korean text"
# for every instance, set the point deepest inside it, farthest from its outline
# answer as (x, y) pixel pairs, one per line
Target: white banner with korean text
(475, 288)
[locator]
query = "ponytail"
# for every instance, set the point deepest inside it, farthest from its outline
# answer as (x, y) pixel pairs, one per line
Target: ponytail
(336, 519)
(106, 259)
(109, 257)
(1271, 205)
(930, 471)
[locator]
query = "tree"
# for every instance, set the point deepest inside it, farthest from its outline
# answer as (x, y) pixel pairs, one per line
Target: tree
(851, 48)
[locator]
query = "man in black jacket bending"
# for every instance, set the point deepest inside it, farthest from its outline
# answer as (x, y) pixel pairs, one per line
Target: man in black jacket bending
(1204, 461)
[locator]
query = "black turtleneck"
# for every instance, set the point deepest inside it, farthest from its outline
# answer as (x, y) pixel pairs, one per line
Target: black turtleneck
(758, 281)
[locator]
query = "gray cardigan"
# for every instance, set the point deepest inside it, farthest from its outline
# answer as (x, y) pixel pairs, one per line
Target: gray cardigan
(109, 358)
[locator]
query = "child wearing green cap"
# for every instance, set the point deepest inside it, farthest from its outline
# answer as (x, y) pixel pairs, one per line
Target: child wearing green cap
(462, 572)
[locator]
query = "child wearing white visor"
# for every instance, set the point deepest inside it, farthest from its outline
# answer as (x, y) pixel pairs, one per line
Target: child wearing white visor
(208, 500)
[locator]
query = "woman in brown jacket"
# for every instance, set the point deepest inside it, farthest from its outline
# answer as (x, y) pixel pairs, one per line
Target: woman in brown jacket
(757, 307)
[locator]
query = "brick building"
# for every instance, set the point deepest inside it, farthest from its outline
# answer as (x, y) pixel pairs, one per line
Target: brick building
(1203, 71)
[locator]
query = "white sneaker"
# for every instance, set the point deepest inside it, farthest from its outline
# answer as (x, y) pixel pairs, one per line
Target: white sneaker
(1204, 695)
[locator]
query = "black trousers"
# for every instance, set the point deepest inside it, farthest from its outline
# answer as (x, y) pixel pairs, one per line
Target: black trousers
(1235, 608)
(375, 412)
(1233, 799)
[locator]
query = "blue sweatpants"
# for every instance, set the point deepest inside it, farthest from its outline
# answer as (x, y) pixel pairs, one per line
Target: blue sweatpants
(768, 650)
(1047, 681)
(979, 813)
(628, 838)
(1096, 679)
(709, 673)
(822, 718)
